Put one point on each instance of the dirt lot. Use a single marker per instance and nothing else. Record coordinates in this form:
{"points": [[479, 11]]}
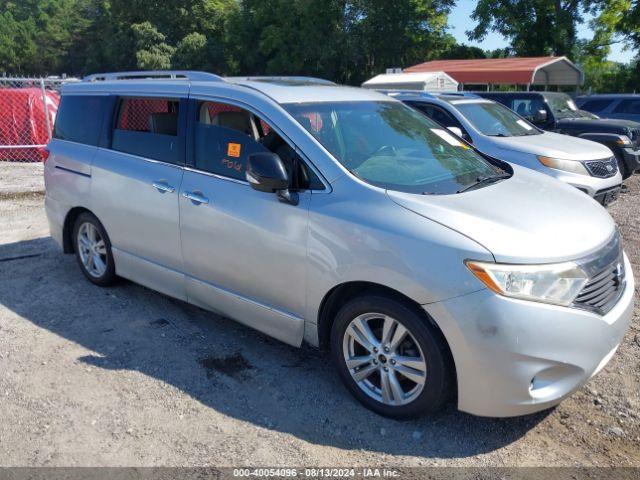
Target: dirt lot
{"points": [[128, 377]]}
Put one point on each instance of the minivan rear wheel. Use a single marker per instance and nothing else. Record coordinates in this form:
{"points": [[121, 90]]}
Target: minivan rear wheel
{"points": [[390, 357], [93, 250]]}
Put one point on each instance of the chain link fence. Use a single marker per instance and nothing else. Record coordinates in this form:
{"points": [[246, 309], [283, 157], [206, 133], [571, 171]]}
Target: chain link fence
{"points": [[28, 108]]}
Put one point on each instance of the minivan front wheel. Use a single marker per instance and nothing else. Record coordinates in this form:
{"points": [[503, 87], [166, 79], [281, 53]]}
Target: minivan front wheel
{"points": [[93, 250], [390, 358]]}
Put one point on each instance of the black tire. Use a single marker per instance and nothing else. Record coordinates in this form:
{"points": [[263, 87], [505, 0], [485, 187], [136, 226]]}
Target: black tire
{"points": [[624, 170], [440, 377], [108, 277]]}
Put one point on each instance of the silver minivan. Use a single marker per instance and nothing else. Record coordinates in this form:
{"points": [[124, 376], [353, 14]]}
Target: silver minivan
{"points": [[342, 218]]}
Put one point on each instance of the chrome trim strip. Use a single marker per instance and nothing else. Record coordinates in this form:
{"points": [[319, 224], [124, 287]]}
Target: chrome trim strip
{"points": [[64, 169], [215, 175], [138, 157]]}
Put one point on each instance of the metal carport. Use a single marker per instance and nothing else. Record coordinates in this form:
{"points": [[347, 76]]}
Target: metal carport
{"points": [[545, 71]]}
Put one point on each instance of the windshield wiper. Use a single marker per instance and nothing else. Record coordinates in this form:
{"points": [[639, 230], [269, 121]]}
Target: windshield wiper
{"points": [[497, 135], [484, 181]]}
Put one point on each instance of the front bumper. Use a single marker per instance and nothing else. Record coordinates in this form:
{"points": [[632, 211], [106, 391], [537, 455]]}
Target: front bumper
{"points": [[516, 357], [608, 195], [592, 186]]}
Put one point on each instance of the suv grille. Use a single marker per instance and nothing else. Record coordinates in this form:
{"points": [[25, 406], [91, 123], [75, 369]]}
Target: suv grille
{"points": [[605, 285], [634, 136], [602, 168]]}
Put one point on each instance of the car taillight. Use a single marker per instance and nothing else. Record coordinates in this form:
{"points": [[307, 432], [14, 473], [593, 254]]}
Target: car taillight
{"points": [[44, 154]]}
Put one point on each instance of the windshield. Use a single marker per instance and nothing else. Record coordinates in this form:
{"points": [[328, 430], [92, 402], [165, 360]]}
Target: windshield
{"points": [[392, 146], [563, 106], [495, 120]]}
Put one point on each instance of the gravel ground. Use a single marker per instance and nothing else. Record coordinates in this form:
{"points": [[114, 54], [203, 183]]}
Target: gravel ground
{"points": [[128, 377], [18, 178]]}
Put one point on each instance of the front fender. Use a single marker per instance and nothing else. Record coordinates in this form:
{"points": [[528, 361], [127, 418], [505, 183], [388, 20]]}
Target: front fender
{"points": [[369, 238]]}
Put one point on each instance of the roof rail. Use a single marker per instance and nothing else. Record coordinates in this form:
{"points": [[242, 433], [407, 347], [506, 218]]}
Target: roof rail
{"points": [[403, 91], [155, 75], [425, 93], [301, 80]]}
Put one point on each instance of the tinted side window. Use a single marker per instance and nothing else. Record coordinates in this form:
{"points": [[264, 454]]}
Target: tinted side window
{"points": [[596, 105], [629, 106], [527, 107], [437, 114], [148, 127], [79, 118], [225, 136]]}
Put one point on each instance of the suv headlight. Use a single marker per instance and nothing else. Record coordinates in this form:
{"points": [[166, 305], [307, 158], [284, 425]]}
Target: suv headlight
{"points": [[623, 140], [558, 283], [573, 166]]}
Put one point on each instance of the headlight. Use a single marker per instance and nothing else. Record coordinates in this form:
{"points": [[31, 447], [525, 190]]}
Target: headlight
{"points": [[558, 283], [573, 166], [623, 140]]}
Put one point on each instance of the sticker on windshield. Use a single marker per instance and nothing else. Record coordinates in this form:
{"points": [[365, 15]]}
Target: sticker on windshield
{"points": [[524, 124], [233, 150], [447, 137]]}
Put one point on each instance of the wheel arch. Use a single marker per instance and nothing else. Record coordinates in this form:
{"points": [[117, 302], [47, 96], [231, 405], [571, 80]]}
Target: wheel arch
{"points": [[342, 293], [68, 245]]}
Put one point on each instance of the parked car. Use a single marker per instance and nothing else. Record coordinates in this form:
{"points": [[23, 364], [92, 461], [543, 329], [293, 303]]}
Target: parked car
{"points": [[557, 112], [342, 218], [625, 106], [498, 132]]}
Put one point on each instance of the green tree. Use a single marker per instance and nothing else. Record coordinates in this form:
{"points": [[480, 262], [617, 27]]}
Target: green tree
{"points": [[152, 53], [17, 45], [301, 37], [344, 40], [401, 34], [534, 27], [192, 52], [44, 33], [619, 21], [462, 51]]}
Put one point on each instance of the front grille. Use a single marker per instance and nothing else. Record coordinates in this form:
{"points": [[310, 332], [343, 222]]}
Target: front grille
{"points": [[602, 168], [605, 285]]}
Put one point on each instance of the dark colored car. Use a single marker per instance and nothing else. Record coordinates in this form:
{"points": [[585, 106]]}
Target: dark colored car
{"points": [[557, 112], [612, 105]]}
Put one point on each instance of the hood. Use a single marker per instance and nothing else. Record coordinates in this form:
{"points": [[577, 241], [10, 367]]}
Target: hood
{"points": [[593, 125], [555, 145], [528, 218]]}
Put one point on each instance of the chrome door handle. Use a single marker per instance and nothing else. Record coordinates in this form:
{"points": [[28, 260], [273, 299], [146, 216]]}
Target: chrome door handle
{"points": [[163, 187], [196, 198]]}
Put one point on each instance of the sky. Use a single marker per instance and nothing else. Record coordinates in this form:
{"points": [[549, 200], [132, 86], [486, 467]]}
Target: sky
{"points": [[460, 21]]}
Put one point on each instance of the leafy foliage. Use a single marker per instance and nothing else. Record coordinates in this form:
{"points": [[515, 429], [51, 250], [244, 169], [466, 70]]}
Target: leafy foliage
{"points": [[343, 40]]}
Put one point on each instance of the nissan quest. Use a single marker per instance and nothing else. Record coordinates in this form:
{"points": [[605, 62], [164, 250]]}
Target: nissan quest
{"points": [[342, 218]]}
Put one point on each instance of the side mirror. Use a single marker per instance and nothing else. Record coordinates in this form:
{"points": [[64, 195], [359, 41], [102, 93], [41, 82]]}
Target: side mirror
{"points": [[540, 116], [456, 131], [266, 173]]}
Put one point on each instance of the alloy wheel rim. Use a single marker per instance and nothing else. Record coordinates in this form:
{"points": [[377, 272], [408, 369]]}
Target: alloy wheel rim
{"points": [[92, 249], [384, 359]]}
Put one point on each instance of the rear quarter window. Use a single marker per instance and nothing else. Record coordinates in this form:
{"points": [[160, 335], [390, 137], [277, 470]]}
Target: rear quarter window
{"points": [[149, 128], [629, 106], [595, 105], [79, 118]]}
